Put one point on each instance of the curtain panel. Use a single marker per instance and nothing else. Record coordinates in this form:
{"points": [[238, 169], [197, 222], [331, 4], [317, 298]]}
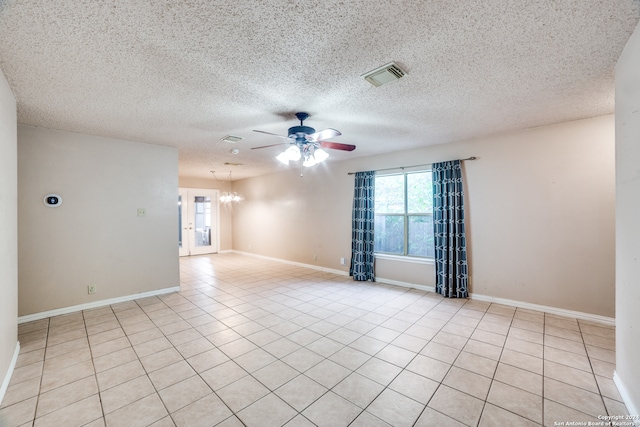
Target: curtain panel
{"points": [[449, 233], [362, 261]]}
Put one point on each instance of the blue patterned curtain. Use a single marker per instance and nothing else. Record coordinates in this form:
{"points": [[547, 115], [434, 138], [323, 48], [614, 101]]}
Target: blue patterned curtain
{"points": [[362, 227], [448, 222]]}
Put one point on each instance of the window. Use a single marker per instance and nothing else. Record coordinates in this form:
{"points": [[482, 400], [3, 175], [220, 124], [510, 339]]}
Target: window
{"points": [[404, 214]]}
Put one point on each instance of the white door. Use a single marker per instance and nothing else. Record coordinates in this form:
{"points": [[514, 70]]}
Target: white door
{"points": [[198, 213]]}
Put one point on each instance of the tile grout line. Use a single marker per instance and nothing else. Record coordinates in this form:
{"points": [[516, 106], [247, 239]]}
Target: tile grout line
{"points": [[287, 297], [44, 359], [95, 373], [544, 349], [606, 409]]}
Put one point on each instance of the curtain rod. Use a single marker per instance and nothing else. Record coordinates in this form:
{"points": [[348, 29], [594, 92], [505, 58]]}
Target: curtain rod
{"points": [[413, 166]]}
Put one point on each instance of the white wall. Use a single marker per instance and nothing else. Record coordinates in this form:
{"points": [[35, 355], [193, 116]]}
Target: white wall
{"points": [[95, 237], [300, 219], [8, 231], [628, 223], [540, 215]]}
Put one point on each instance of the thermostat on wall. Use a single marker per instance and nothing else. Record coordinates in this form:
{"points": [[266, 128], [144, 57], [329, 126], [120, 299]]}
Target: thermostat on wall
{"points": [[52, 200]]}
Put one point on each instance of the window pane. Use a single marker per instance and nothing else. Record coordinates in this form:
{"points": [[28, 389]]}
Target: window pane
{"points": [[202, 220], [179, 221], [419, 193], [389, 234], [389, 194], [420, 236]]}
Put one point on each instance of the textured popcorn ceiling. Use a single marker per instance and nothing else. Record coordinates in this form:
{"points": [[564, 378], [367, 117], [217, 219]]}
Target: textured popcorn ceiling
{"points": [[187, 73]]}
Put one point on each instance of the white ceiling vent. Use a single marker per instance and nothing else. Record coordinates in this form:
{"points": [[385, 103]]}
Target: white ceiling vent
{"points": [[232, 139], [385, 74]]}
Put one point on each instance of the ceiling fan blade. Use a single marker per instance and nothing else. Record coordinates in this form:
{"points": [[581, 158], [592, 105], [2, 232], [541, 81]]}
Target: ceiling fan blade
{"points": [[337, 146], [273, 134], [324, 134], [267, 146]]}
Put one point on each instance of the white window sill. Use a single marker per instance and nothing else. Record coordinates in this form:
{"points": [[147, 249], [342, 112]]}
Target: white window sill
{"points": [[401, 258]]}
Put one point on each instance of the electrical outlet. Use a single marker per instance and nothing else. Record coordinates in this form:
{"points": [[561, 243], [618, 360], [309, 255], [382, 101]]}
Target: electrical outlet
{"points": [[142, 212], [91, 289], [343, 261]]}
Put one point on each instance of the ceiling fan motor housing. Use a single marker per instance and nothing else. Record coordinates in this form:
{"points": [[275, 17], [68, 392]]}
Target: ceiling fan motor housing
{"points": [[300, 131]]}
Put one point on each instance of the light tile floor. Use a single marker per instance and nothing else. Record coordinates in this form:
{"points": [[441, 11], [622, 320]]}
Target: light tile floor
{"points": [[259, 343]]}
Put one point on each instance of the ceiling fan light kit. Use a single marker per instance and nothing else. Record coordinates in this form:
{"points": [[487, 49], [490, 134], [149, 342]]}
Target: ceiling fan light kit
{"points": [[290, 154], [320, 155], [283, 158], [307, 144]]}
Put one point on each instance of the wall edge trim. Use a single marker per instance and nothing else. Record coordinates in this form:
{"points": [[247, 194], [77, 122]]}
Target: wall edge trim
{"points": [[546, 308], [7, 377], [626, 397], [298, 264], [513, 303], [406, 284], [96, 304]]}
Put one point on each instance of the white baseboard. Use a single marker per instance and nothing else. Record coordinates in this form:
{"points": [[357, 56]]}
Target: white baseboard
{"points": [[338, 272], [96, 304], [298, 264], [7, 377], [479, 297], [626, 397], [405, 284], [546, 309], [512, 303]]}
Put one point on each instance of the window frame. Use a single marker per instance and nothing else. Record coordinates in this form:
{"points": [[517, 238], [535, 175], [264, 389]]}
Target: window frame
{"points": [[405, 256]]}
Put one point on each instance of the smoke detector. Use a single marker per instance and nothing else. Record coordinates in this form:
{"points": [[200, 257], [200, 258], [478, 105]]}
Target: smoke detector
{"points": [[231, 138], [385, 74]]}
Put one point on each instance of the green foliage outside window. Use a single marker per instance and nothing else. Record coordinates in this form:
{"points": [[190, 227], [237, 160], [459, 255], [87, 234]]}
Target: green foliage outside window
{"points": [[404, 214]]}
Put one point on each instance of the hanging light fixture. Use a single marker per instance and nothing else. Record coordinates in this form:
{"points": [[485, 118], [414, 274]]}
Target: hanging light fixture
{"points": [[227, 196]]}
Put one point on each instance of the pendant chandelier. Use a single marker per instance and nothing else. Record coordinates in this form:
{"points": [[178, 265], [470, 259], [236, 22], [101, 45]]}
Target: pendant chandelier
{"points": [[227, 196]]}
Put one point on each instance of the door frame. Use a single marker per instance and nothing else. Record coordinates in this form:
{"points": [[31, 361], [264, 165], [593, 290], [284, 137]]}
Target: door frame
{"points": [[187, 193]]}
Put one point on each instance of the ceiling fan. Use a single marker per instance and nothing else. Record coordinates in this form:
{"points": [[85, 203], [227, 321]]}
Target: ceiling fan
{"points": [[306, 143]]}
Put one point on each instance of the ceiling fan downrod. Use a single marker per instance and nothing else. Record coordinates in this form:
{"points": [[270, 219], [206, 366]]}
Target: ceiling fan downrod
{"points": [[300, 132]]}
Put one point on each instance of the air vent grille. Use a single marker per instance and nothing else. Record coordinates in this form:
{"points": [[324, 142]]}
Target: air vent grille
{"points": [[385, 74], [231, 138], [396, 71]]}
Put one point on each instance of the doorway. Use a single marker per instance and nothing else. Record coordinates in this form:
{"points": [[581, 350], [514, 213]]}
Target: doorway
{"points": [[198, 221]]}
